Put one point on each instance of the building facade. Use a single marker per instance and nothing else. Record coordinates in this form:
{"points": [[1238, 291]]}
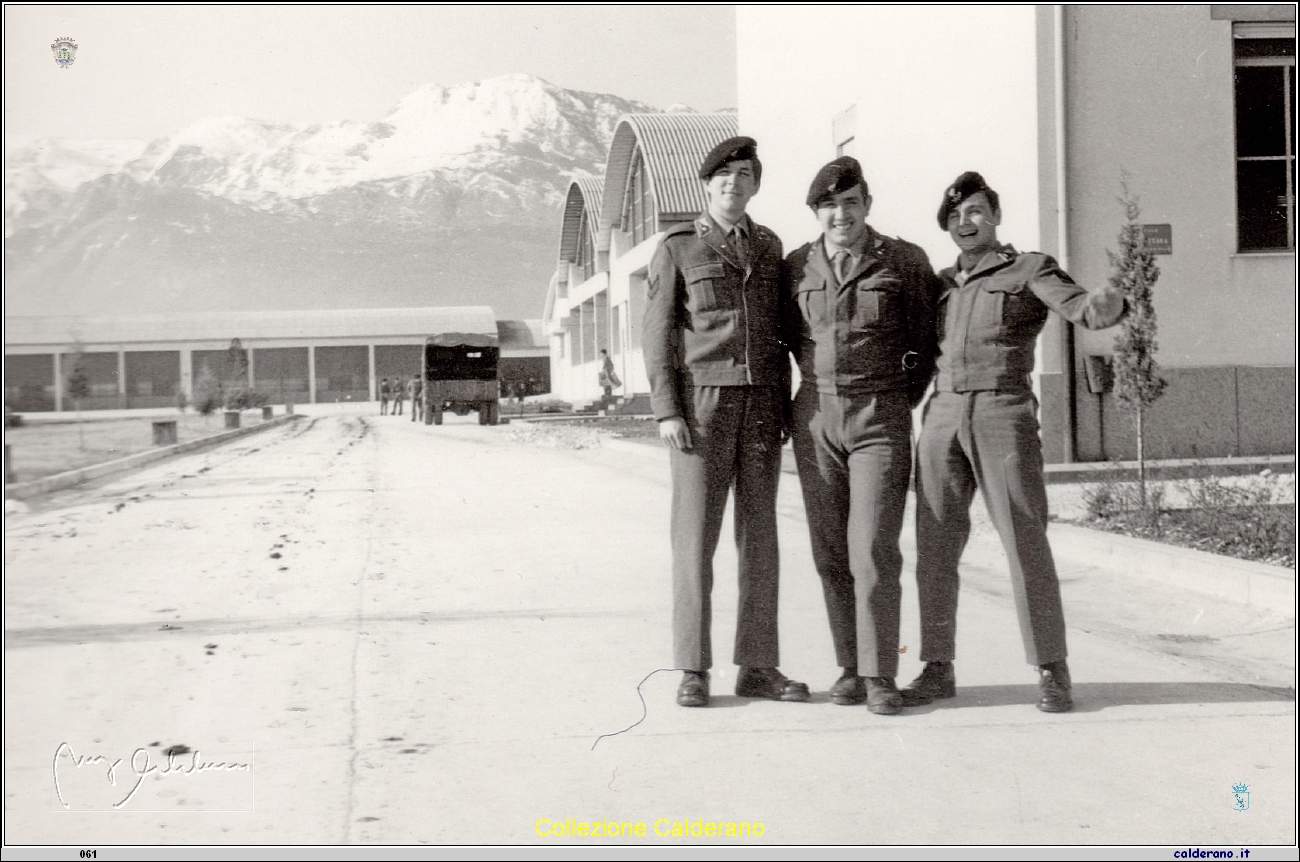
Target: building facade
{"points": [[297, 357], [610, 229], [1061, 108]]}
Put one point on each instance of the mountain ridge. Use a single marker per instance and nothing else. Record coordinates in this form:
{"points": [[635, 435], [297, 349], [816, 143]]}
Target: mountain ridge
{"points": [[452, 198]]}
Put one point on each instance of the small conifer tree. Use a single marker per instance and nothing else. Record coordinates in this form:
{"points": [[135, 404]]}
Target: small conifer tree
{"points": [[1138, 383], [234, 377], [78, 386]]}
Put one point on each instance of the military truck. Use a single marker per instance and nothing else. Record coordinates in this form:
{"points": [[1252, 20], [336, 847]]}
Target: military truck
{"points": [[460, 375]]}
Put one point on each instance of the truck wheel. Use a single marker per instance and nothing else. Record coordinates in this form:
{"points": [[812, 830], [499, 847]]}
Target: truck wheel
{"points": [[483, 413], [494, 413], [437, 414]]}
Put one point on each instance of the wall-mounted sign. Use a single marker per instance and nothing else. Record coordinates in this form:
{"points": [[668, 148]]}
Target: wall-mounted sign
{"points": [[1159, 237]]}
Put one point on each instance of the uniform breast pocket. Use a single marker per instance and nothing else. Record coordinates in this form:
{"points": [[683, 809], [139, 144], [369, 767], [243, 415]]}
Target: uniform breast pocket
{"points": [[703, 284], [1003, 307], [812, 304], [878, 305]]}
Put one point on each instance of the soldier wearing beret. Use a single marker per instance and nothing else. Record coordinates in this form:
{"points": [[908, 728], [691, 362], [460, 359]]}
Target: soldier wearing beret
{"points": [[981, 431], [720, 388], [865, 344]]}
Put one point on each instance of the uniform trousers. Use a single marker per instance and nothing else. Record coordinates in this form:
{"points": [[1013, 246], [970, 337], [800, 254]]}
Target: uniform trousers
{"points": [[735, 442], [854, 455], [988, 440]]}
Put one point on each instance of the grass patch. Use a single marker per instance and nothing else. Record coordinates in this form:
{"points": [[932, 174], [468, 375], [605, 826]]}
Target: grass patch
{"points": [[45, 448], [1250, 518]]}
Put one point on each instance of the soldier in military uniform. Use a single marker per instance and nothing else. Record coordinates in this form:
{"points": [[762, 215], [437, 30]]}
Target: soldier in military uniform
{"points": [[865, 347], [383, 397], [720, 387], [416, 390], [981, 431]]}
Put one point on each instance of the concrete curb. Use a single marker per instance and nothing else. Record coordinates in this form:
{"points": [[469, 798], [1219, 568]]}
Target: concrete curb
{"points": [[1173, 468], [1242, 582], [22, 490], [1271, 588]]}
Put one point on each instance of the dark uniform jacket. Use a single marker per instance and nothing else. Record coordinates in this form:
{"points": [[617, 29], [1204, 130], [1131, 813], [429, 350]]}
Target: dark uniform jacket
{"points": [[875, 332], [988, 326], [712, 319]]}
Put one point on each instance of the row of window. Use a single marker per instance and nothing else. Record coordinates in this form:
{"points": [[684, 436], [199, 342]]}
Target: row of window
{"points": [[590, 329], [639, 217]]}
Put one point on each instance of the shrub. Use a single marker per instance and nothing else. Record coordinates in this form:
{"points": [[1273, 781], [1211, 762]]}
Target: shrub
{"points": [[207, 391]]}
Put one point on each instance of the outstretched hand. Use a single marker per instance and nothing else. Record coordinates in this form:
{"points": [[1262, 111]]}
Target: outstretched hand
{"points": [[1109, 301]]}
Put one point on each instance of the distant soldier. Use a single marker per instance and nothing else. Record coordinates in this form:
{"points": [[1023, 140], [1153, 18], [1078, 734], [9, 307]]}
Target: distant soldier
{"points": [[399, 393], [384, 392], [607, 378], [416, 390]]}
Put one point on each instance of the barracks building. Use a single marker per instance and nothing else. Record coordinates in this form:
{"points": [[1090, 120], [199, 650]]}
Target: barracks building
{"points": [[610, 229], [1060, 108], [296, 357]]}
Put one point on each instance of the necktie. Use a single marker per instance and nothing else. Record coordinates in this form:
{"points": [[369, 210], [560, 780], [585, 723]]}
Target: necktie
{"points": [[738, 247], [841, 265]]}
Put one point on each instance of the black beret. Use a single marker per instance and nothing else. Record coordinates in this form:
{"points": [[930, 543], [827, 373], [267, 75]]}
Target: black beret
{"points": [[969, 183], [836, 177], [730, 150]]}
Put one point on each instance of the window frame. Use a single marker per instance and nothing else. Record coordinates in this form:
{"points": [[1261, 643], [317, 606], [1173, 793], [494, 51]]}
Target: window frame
{"points": [[1257, 31], [639, 218]]}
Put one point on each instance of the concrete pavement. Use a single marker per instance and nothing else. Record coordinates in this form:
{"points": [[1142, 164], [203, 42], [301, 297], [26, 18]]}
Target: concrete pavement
{"points": [[415, 634]]}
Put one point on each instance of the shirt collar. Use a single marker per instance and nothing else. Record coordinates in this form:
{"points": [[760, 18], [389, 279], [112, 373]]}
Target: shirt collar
{"points": [[1003, 252], [743, 227], [869, 240]]}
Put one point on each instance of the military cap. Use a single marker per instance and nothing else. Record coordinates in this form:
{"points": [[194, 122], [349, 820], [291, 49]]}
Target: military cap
{"points": [[730, 150], [969, 183], [836, 177]]}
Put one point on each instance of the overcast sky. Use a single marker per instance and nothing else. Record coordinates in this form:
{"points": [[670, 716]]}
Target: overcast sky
{"points": [[143, 72]]}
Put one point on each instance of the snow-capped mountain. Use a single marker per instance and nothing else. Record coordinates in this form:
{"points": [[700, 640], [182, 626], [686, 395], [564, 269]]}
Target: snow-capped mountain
{"points": [[36, 167], [452, 198]]}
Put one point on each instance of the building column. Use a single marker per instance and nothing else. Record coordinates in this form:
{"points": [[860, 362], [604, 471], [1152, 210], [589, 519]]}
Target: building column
{"points": [[370, 358], [187, 374], [121, 377], [311, 372], [58, 381]]}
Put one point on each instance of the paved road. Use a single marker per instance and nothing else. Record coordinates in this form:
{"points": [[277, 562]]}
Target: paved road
{"points": [[414, 634]]}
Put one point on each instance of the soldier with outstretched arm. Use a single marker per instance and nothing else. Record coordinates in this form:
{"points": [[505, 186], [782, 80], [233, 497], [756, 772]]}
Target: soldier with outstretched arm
{"points": [[980, 430]]}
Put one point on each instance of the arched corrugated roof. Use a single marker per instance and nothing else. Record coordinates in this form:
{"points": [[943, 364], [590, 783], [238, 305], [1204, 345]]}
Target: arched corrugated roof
{"points": [[584, 193], [673, 145]]}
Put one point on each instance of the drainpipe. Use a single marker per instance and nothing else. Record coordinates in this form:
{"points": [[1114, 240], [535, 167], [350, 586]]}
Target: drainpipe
{"points": [[1069, 443]]}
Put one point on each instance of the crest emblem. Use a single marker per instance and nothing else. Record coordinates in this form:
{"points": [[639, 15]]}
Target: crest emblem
{"points": [[1240, 797], [65, 51]]}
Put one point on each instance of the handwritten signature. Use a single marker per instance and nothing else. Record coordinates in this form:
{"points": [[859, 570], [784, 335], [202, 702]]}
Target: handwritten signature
{"points": [[141, 767]]}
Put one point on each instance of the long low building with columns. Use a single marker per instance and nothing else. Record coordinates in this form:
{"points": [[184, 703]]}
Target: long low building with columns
{"points": [[297, 357]]}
